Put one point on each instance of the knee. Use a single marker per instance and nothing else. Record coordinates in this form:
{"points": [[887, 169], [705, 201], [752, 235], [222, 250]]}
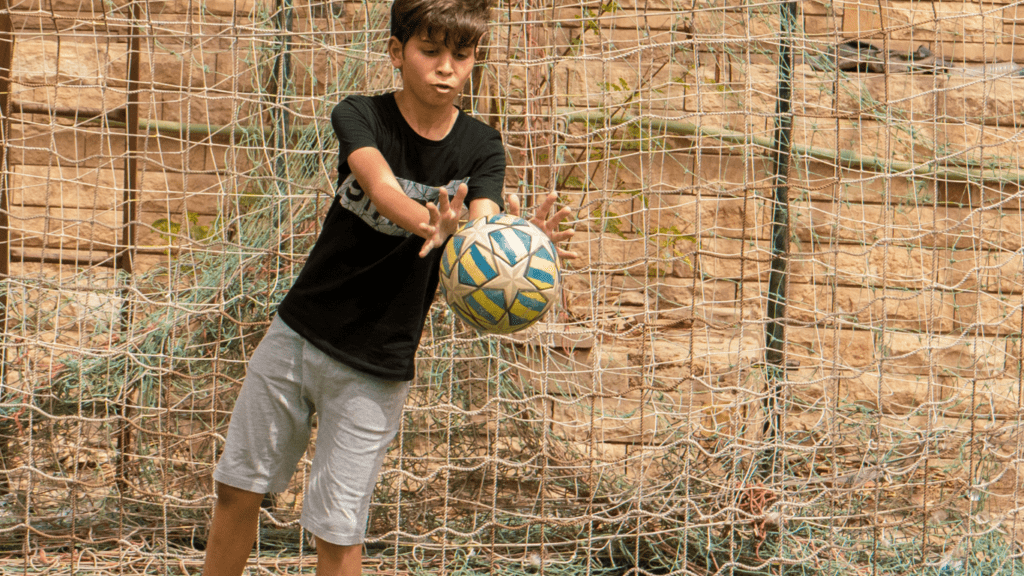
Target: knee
{"points": [[236, 499], [337, 559]]}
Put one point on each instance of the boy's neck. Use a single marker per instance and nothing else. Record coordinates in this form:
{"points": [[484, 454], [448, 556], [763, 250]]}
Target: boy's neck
{"points": [[430, 123]]}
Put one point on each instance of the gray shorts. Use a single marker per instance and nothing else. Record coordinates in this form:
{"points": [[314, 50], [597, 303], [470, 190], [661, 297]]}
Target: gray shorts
{"points": [[289, 379]]}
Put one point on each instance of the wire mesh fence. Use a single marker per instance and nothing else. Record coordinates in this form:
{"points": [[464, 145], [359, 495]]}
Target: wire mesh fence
{"points": [[791, 345]]}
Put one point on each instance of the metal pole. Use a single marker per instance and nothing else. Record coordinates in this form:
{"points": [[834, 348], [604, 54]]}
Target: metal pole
{"points": [[775, 331], [283, 73], [124, 255]]}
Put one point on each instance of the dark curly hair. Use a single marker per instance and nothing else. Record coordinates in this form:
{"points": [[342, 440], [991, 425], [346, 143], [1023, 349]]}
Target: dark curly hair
{"points": [[455, 23]]}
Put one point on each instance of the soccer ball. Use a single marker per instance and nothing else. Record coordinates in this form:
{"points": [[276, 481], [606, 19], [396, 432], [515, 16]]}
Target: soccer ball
{"points": [[500, 274]]}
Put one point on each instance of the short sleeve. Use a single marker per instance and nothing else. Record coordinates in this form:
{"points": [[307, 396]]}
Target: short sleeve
{"points": [[352, 120], [487, 179]]}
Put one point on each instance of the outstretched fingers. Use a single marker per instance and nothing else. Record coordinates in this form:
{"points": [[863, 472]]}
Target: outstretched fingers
{"points": [[566, 254], [556, 219], [450, 209], [514, 207], [460, 199], [430, 229], [550, 225], [545, 207], [442, 202], [444, 218], [562, 237]]}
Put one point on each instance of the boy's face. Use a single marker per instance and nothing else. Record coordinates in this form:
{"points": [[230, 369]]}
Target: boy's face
{"points": [[431, 71]]}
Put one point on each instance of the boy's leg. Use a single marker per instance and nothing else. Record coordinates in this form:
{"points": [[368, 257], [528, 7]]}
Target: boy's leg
{"points": [[233, 531], [269, 432], [335, 560], [360, 415]]}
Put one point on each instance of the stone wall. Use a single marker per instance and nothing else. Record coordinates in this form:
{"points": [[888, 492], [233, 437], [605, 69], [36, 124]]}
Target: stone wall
{"points": [[904, 299]]}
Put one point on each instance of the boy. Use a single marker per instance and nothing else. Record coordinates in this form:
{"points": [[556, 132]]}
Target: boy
{"points": [[344, 341]]}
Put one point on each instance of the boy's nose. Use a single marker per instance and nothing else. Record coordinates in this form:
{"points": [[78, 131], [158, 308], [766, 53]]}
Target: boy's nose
{"points": [[444, 67]]}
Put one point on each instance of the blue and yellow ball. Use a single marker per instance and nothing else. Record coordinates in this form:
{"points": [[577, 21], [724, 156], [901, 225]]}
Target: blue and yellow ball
{"points": [[500, 274]]}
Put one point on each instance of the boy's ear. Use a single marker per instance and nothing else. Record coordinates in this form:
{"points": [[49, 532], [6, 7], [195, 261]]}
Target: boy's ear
{"points": [[395, 52]]}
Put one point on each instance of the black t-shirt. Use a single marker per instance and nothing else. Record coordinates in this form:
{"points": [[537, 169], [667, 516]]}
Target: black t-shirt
{"points": [[364, 293]]}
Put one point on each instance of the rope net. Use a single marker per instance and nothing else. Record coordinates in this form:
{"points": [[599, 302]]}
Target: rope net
{"points": [[791, 345]]}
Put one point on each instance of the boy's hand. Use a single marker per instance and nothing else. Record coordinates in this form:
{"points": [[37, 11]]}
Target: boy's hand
{"points": [[444, 219], [548, 225]]}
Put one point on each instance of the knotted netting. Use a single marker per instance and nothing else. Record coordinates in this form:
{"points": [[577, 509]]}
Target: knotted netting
{"points": [[791, 343]]}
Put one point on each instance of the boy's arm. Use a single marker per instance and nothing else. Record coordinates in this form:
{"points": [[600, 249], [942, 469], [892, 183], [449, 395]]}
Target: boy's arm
{"points": [[433, 223], [379, 183], [483, 207]]}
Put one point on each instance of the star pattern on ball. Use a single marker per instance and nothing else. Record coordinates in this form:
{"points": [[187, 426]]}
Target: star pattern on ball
{"points": [[458, 289], [512, 279], [477, 233]]}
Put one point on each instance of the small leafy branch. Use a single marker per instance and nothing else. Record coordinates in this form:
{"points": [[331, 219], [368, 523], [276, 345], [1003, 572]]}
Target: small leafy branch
{"points": [[193, 229], [589, 17]]}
